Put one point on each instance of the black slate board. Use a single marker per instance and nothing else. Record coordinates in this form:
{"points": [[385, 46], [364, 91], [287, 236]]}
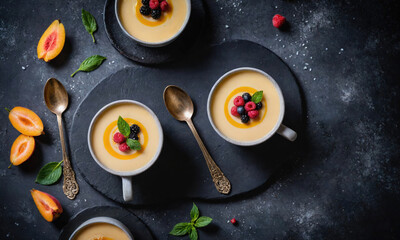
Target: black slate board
{"points": [[138, 229], [181, 171], [191, 36]]}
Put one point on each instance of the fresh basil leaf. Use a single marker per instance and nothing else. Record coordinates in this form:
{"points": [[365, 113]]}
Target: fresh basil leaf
{"points": [[194, 213], [181, 229], [257, 97], [49, 173], [193, 234], [134, 144], [123, 127], [202, 221], [89, 22], [90, 64]]}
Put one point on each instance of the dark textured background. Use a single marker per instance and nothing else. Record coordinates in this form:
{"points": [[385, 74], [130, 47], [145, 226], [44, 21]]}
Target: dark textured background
{"points": [[345, 55]]}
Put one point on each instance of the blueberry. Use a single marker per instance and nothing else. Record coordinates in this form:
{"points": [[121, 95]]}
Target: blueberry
{"points": [[133, 136], [135, 129], [241, 110], [246, 97], [244, 118], [259, 106]]}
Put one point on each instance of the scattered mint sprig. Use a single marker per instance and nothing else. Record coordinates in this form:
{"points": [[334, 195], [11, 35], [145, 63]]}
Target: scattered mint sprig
{"points": [[90, 64], [49, 173], [190, 228], [89, 22]]}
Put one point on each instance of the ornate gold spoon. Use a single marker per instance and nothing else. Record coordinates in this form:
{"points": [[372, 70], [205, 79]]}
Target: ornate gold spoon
{"points": [[56, 98], [180, 106]]}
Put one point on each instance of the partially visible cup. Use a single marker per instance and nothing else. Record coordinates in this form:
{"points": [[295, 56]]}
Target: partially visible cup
{"points": [[234, 83]]}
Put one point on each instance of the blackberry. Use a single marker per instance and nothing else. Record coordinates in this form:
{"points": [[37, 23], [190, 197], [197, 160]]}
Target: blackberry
{"points": [[246, 97], [259, 106], [135, 129], [240, 110], [156, 13], [133, 136], [244, 118], [145, 2], [145, 10]]}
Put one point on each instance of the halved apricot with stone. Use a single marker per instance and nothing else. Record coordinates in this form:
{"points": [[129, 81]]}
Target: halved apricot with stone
{"points": [[22, 149], [26, 121], [52, 41], [48, 206]]}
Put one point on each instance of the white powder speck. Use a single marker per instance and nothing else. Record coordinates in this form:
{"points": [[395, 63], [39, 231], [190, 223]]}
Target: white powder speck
{"points": [[16, 224], [23, 68], [305, 67], [306, 64], [297, 53], [226, 26], [341, 49], [326, 49], [314, 79]]}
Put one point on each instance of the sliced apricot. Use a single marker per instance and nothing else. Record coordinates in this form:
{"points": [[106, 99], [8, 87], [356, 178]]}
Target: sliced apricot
{"points": [[52, 41], [48, 206], [26, 121], [22, 149]]}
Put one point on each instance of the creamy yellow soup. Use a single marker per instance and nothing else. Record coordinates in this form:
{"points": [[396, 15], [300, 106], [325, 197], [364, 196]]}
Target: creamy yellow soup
{"points": [[147, 29], [101, 231], [235, 85], [104, 128]]}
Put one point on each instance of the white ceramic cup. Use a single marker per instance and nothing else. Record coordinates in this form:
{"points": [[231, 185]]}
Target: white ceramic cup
{"points": [[127, 175], [278, 128], [156, 44], [108, 220]]}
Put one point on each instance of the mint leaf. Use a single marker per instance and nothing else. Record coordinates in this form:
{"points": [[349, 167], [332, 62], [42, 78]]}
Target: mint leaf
{"points": [[202, 221], [89, 22], [257, 97], [134, 144], [49, 173], [123, 127], [193, 234], [181, 229], [90, 64], [194, 213]]}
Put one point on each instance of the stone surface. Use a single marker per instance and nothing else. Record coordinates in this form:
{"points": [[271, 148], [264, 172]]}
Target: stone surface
{"points": [[345, 54]]}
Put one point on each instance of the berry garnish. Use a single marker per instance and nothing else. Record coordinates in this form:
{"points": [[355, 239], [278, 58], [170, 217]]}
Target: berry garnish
{"points": [[259, 106], [246, 97], [238, 101], [123, 147], [244, 118], [164, 6], [240, 110], [146, 2], [133, 136], [233, 221], [250, 106], [278, 20], [253, 114], [154, 5], [145, 10], [118, 137], [234, 111], [135, 129], [155, 13]]}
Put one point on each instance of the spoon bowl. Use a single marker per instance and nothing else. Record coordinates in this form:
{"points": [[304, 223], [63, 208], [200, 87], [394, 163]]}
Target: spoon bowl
{"points": [[55, 96], [178, 103]]}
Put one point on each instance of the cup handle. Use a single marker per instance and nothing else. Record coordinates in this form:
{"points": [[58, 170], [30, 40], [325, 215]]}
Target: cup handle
{"points": [[127, 188], [287, 133]]}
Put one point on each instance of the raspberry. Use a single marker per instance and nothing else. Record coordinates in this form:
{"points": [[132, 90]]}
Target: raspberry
{"points": [[154, 4], [234, 111], [119, 138], [250, 106], [278, 20], [123, 147], [253, 114], [233, 221], [238, 101], [164, 6]]}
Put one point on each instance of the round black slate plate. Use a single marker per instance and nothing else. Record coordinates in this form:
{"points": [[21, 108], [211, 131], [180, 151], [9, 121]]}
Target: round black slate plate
{"points": [[146, 55], [181, 170], [138, 229]]}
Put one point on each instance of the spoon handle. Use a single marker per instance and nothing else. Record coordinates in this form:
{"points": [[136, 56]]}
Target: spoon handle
{"points": [[70, 186], [221, 182]]}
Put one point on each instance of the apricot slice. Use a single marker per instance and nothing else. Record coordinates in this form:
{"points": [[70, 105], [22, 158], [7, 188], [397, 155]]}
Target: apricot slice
{"points": [[48, 206], [22, 149], [52, 41], [26, 121]]}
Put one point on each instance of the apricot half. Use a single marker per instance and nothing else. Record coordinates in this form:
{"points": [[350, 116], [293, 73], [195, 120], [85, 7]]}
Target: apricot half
{"points": [[26, 121], [48, 206], [22, 149], [52, 41]]}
